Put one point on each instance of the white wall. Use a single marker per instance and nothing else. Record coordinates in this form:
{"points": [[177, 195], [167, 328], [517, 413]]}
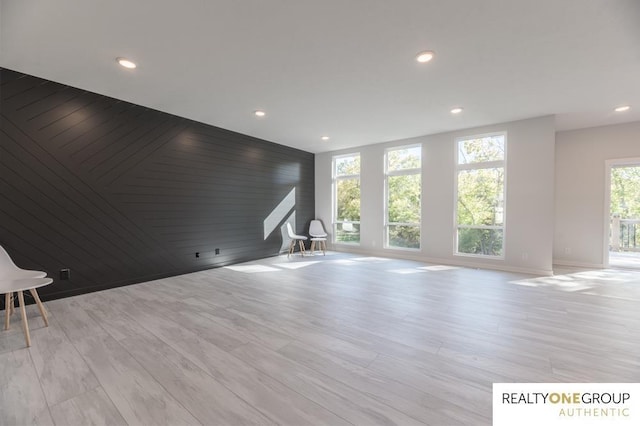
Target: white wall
{"points": [[529, 200], [580, 189]]}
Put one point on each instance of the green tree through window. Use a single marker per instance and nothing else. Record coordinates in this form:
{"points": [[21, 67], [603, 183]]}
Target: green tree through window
{"points": [[403, 191], [625, 191], [625, 206], [346, 184], [480, 195]]}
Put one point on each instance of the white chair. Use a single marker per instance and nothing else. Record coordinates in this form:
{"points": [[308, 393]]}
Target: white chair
{"points": [[16, 280], [318, 234], [294, 237], [8, 267]]}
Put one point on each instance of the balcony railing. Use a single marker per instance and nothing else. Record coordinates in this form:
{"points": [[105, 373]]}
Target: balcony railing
{"points": [[625, 235]]}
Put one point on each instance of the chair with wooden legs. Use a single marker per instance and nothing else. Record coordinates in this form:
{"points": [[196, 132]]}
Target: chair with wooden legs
{"points": [[300, 239], [16, 280], [9, 287], [318, 235]]}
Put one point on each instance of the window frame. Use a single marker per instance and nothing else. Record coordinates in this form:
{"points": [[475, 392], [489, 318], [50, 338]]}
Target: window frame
{"points": [[334, 197], [403, 172], [478, 166]]}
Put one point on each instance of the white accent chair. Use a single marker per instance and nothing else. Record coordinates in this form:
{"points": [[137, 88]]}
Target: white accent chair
{"points": [[16, 280], [318, 235], [8, 267], [294, 237]]}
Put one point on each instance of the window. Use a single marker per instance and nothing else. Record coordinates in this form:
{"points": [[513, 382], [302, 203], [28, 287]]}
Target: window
{"points": [[346, 199], [480, 195], [403, 188]]}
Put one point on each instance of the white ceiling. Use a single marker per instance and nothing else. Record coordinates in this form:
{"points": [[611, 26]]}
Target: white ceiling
{"points": [[343, 68]]}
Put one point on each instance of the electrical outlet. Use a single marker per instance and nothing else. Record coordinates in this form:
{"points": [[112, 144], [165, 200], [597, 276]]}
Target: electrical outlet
{"points": [[65, 274], [217, 251], [567, 250], [197, 254]]}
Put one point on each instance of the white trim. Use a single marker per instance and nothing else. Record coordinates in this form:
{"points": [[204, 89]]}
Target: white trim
{"points": [[346, 177], [481, 256], [571, 263], [481, 165], [419, 250], [480, 227], [631, 161], [607, 212], [404, 172], [337, 244]]}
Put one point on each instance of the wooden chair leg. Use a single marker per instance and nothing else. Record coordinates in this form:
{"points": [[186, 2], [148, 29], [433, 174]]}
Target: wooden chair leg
{"points": [[323, 244], [34, 293], [291, 247], [301, 244], [7, 310], [25, 324], [313, 246]]}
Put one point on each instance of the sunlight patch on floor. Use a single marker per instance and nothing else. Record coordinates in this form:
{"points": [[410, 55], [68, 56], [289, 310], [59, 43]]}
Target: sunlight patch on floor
{"points": [[419, 269], [296, 265], [344, 262], [371, 259], [405, 271], [604, 282], [560, 282], [439, 268], [609, 275], [252, 269]]}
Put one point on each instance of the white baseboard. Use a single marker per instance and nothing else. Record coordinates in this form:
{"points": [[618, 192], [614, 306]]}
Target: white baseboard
{"points": [[574, 264]]}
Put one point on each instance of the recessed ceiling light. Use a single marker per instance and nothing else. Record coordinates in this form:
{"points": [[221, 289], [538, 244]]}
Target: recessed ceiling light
{"points": [[325, 138], [259, 113], [126, 63], [622, 108], [426, 56], [456, 110]]}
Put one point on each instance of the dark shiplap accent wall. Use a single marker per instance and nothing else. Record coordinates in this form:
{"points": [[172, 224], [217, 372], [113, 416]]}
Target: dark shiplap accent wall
{"points": [[121, 193]]}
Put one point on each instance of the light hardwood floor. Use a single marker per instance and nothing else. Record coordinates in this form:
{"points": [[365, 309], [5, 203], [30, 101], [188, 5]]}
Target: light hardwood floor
{"points": [[332, 340]]}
